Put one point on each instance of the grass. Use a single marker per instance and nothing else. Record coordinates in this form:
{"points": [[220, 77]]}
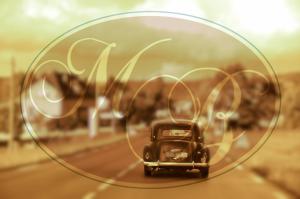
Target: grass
{"points": [[279, 160]]}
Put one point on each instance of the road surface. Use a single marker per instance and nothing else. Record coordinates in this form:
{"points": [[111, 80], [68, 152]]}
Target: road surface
{"points": [[116, 163]]}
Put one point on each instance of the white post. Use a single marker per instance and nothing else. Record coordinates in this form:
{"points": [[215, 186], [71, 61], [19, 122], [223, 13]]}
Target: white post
{"points": [[11, 122], [93, 122]]}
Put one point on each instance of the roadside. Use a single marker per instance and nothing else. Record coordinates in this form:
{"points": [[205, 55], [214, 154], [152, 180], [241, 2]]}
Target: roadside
{"points": [[31, 153], [278, 160], [114, 163]]}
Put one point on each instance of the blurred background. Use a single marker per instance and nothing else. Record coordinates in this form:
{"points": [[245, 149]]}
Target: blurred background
{"points": [[26, 171]]}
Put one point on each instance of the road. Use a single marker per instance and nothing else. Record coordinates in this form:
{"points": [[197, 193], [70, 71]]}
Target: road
{"points": [[117, 164]]}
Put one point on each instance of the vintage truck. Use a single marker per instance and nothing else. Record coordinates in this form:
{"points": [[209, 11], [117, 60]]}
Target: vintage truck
{"points": [[176, 146]]}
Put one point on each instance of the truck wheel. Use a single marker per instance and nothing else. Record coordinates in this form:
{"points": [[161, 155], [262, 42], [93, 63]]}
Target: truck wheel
{"points": [[147, 171], [204, 171]]}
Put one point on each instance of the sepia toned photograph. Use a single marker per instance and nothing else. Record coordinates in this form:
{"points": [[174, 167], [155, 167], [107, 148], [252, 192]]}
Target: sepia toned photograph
{"points": [[149, 99]]}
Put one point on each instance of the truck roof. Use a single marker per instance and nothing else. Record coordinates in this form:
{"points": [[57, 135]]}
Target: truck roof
{"points": [[170, 122]]}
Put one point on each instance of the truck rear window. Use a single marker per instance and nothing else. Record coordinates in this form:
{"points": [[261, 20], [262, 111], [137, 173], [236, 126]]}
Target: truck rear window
{"points": [[180, 133]]}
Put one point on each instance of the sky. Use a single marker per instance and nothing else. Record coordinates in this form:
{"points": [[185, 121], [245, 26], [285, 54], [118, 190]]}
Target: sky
{"points": [[190, 45], [273, 26]]}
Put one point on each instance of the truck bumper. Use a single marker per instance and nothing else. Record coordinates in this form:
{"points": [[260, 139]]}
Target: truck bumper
{"points": [[175, 164]]}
